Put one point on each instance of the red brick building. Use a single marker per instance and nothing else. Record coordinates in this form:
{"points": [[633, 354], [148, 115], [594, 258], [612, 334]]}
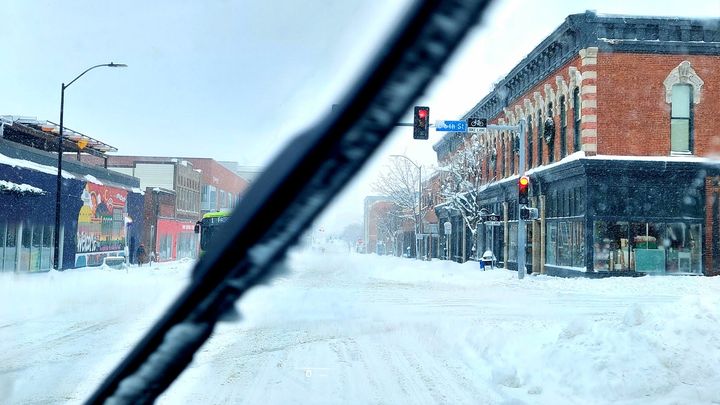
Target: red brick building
{"points": [[634, 97], [381, 225], [178, 191]]}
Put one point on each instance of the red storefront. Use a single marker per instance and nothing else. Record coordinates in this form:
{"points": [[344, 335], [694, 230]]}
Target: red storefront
{"points": [[176, 239]]}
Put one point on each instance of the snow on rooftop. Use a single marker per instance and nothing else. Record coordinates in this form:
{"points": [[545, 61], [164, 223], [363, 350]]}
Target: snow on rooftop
{"points": [[569, 158], [93, 179], [20, 188], [137, 191], [14, 162]]}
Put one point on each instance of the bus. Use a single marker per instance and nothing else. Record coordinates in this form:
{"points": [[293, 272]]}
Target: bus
{"points": [[208, 226]]}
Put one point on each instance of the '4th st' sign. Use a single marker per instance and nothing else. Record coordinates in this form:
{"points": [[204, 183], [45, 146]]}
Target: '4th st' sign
{"points": [[452, 126]]}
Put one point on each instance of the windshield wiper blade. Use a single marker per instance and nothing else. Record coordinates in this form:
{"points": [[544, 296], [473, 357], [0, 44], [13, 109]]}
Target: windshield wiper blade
{"points": [[290, 194]]}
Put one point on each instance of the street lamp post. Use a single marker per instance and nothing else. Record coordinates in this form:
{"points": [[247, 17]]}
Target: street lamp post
{"points": [[58, 201], [419, 211]]}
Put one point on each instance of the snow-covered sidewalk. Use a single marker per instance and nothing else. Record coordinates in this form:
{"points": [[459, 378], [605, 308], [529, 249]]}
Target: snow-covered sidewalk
{"points": [[348, 328]]}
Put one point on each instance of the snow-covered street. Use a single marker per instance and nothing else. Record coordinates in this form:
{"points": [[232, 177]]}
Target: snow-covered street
{"points": [[348, 328]]}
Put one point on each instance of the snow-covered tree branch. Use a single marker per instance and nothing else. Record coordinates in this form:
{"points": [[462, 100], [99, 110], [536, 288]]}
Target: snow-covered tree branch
{"points": [[461, 181]]}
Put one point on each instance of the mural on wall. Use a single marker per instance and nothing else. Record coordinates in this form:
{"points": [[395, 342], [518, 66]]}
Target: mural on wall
{"points": [[101, 224]]}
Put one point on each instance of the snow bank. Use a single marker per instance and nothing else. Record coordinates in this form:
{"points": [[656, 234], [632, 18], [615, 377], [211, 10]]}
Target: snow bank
{"points": [[351, 328]]}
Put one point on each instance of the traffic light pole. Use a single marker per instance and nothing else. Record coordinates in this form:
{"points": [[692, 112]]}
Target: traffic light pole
{"points": [[522, 230]]}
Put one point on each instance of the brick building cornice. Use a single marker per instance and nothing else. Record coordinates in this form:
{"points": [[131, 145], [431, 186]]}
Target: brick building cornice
{"points": [[606, 33]]}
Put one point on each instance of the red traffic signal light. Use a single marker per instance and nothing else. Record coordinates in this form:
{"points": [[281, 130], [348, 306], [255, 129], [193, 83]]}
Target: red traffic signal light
{"points": [[421, 122], [523, 186]]}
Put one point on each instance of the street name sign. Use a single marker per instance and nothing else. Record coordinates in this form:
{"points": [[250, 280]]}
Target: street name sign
{"points": [[455, 126]]}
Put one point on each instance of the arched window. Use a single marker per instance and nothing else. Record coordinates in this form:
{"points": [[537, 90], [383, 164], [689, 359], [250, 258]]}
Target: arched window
{"points": [[539, 137], [529, 142], [563, 128], [681, 119], [503, 148], [683, 89], [576, 118], [549, 133], [513, 149]]}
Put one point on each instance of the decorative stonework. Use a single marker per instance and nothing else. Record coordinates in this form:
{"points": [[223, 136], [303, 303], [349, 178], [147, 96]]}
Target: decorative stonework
{"points": [[683, 74], [589, 55], [562, 90], [528, 107], [509, 116], [518, 114], [539, 104], [549, 96], [575, 77]]}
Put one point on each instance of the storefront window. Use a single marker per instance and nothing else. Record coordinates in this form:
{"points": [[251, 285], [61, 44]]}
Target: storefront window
{"points": [[186, 245], [10, 247], [564, 243], [46, 258], [25, 240], [551, 243], [610, 246], [578, 243], [36, 249], [682, 248], [166, 252], [512, 250], [648, 247]]}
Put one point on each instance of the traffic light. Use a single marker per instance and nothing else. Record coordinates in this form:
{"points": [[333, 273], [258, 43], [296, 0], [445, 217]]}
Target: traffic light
{"points": [[421, 122], [527, 213], [523, 186]]}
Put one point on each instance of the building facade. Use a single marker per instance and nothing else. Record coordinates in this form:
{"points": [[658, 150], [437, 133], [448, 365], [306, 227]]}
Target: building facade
{"points": [[171, 205], [195, 185], [100, 210], [618, 112]]}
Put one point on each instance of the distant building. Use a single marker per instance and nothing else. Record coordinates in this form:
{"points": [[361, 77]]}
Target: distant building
{"points": [[248, 173], [379, 234], [197, 185]]}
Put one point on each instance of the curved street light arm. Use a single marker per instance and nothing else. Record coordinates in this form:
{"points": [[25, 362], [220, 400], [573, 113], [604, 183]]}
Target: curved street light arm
{"points": [[408, 159], [111, 64]]}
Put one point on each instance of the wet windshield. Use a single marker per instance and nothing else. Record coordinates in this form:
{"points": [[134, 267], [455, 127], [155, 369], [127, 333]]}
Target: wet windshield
{"points": [[541, 226]]}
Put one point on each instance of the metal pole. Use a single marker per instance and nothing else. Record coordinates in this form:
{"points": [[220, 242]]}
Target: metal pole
{"points": [[58, 189], [58, 202], [522, 231], [418, 230]]}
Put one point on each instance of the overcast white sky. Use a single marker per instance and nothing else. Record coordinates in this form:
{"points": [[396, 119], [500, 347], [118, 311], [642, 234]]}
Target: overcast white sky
{"points": [[233, 80]]}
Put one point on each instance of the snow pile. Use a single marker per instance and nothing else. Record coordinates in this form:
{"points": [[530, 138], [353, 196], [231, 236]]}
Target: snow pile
{"points": [[65, 330], [19, 188]]}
